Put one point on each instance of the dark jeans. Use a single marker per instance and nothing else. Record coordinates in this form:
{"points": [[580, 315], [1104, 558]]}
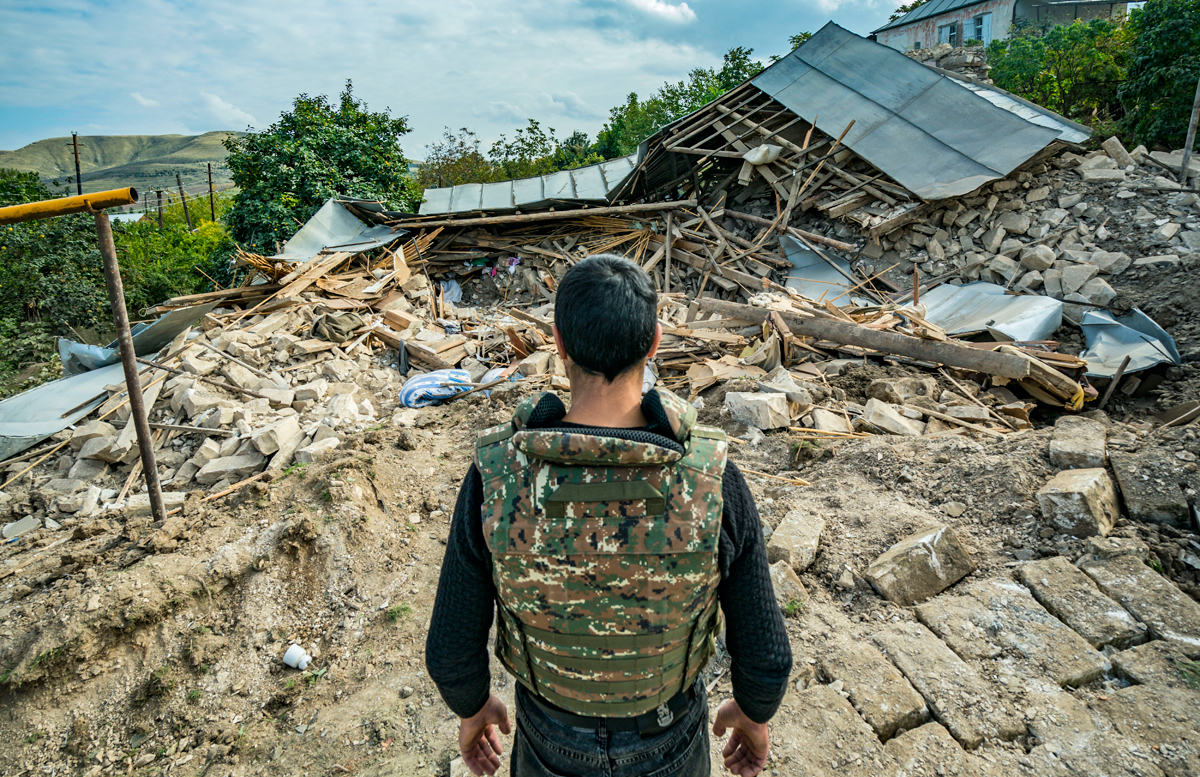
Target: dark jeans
{"points": [[544, 747]]}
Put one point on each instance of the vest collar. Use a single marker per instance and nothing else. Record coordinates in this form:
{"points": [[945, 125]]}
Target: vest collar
{"points": [[545, 408]]}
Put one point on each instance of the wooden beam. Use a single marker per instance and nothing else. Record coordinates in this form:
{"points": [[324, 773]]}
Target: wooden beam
{"points": [[948, 353], [551, 215]]}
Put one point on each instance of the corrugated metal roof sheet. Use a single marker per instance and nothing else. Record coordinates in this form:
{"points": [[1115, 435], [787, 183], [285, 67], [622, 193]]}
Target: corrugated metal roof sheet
{"points": [[1067, 130], [931, 135], [932, 8], [581, 185]]}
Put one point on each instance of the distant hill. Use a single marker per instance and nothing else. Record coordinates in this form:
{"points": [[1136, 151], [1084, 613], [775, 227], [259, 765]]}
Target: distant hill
{"points": [[145, 162]]}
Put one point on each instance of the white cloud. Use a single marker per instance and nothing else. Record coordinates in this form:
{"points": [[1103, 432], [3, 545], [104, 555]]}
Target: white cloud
{"points": [[145, 102], [230, 116], [672, 13]]}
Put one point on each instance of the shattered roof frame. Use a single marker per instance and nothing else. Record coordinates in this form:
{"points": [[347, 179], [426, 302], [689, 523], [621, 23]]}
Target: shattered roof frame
{"points": [[929, 133], [589, 184]]}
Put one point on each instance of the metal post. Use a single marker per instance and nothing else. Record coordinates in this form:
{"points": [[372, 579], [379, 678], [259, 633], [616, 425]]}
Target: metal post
{"points": [[212, 207], [78, 175], [183, 198], [160, 210], [137, 408], [1191, 137]]}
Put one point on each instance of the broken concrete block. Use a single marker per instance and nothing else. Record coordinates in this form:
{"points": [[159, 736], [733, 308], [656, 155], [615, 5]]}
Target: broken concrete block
{"points": [[1013, 223], [1116, 151], [1004, 267], [231, 468], [87, 469], [828, 421], [1076, 275], [1080, 502], [1029, 281], [61, 487], [1098, 291], [197, 365], [339, 370], [992, 239], [270, 438], [536, 363], [196, 401], [780, 381], [888, 418], [91, 431], [1098, 162], [972, 413], [796, 540], [1167, 612], [920, 566], [240, 376], [287, 450], [23, 526], [139, 504], [342, 409], [1078, 443], [279, 397], [1102, 175], [1111, 262], [209, 449], [761, 410], [1150, 488], [1152, 261], [272, 323], [1071, 596], [900, 390], [789, 591], [309, 453], [1039, 257]]}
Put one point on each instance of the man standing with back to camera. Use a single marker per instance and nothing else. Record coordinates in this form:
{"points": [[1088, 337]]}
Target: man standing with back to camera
{"points": [[610, 538]]}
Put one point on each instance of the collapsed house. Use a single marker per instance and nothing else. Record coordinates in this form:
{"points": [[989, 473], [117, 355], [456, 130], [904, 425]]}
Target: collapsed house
{"points": [[846, 203]]}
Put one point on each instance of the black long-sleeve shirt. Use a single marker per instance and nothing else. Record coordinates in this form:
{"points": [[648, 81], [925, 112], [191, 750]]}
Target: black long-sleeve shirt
{"points": [[456, 646]]}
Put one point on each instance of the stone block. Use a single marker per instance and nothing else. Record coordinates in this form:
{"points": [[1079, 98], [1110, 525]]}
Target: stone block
{"points": [[888, 418], [972, 413], [1151, 663], [1074, 276], [1164, 260], [240, 376], [139, 504], [828, 421], [339, 370], [1149, 481], [1098, 162], [1013, 223], [780, 381], [920, 566], [196, 401], [270, 438], [310, 453], [900, 390], [761, 410], [1068, 201], [1078, 443], [61, 487], [197, 365], [1030, 281], [1111, 262], [992, 239], [1038, 257], [796, 540], [279, 398], [886, 700], [960, 699], [1080, 502], [231, 468], [1004, 267], [1167, 612], [834, 739], [536, 363], [1160, 723], [1098, 291], [287, 450], [789, 591], [1008, 617], [209, 449], [90, 431], [87, 469], [1116, 151], [19, 527], [1052, 280], [1102, 175]]}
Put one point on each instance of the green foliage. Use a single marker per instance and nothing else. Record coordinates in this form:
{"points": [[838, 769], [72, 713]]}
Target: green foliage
{"points": [[398, 612], [905, 9], [533, 151], [794, 42], [317, 150], [793, 607], [1073, 69], [1190, 671], [1163, 70], [636, 119]]}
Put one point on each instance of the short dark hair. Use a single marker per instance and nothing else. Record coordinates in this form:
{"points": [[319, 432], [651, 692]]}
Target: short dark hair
{"points": [[606, 311]]}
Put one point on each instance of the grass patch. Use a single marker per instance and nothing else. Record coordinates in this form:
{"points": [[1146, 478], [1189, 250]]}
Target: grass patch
{"points": [[296, 469], [195, 695], [1190, 671], [398, 612], [794, 607]]}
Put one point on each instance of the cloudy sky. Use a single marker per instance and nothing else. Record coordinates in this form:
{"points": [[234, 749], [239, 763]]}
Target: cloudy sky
{"points": [[111, 67]]}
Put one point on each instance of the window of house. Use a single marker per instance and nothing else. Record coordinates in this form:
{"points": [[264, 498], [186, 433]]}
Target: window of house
{"points": [[948, 33], [982, 26]]}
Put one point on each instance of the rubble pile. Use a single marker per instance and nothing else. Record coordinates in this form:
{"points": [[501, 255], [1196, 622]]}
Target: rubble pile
{"points": [[970, 61]]}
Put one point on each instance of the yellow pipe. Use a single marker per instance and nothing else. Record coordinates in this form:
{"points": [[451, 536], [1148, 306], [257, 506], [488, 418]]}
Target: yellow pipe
{"points": [[83, 203]]}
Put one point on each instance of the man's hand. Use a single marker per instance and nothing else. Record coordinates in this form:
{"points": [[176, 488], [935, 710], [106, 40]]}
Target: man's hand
{"points": [[478, 741], [746, 751]]}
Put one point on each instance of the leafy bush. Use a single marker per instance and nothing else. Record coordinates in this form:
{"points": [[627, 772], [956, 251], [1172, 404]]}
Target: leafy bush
{"points": [[1164, 68], [533, 151], [1073, 69], [315, 151]]}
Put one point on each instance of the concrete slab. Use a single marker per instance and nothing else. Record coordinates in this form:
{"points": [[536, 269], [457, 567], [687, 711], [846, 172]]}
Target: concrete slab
{"points": [[886, 700], [1149, 481], [1168, 613], [1154, 663], [1164, 721], [1071, 596], [828, 737], [959, 698]]}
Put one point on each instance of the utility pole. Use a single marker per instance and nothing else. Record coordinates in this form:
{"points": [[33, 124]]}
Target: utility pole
{"points": [[212, 207], [78, 180], [159, 191], [183, 199], [1191, 137]]}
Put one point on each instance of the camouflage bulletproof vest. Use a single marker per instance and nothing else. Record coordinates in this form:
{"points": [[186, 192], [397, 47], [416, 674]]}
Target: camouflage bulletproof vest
{"points": [[604, 553]]}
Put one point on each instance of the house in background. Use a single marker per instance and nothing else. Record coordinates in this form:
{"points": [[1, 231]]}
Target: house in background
{"points": [[957, 21]]}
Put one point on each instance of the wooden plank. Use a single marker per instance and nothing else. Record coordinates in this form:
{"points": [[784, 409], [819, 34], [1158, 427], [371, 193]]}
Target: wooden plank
{"points": [[948, 353]]}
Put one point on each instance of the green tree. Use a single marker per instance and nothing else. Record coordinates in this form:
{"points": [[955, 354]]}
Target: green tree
{"points": [[637, 119], [455, 159], [1073, 68], [317, 150], [906, 9], [1164, 67]]}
